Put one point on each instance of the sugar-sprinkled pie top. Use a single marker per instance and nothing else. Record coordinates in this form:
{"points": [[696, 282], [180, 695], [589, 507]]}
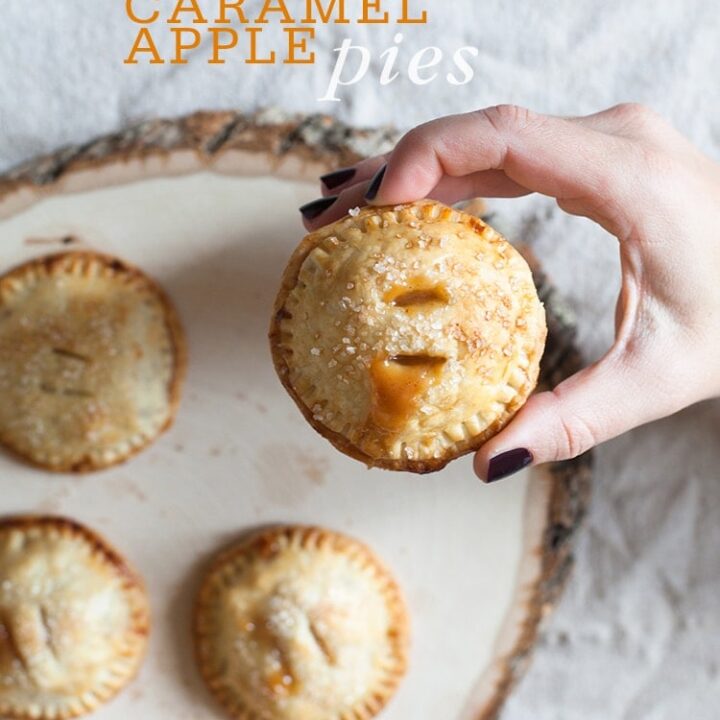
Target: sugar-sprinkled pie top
{"points": [[301, 624], [74, 619], [91, 361], [408, 335]]}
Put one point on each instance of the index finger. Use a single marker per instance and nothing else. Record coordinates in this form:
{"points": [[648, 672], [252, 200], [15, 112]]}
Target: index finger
{"points": [[550, 155]]}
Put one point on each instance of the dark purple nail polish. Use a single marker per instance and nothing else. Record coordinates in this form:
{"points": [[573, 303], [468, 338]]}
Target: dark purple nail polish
{"points": [[312, 209], [375, 183], [508, 463], [338, 177]]}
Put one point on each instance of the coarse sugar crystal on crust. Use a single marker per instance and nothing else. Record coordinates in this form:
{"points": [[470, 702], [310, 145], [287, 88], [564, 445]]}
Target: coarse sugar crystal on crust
{"points": [[301, 623], [74, 619], [92, 357], [408, 335]]}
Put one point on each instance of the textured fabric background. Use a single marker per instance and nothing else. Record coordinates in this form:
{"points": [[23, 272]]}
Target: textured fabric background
{"points": [[637, 635]]}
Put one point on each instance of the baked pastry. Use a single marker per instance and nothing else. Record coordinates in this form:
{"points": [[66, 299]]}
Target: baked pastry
{"points": [[408, 335], [91, 361], [74, 619], [301, 623]]}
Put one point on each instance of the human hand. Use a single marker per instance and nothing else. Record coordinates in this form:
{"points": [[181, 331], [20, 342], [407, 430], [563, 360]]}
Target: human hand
{"points": [[641, 180]]}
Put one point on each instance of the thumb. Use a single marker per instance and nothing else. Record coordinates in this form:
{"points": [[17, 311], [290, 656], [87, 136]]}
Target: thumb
{"points": [[596, 404]]}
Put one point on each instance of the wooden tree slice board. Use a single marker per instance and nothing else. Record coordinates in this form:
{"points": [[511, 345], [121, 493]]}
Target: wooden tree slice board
{"points": [[207, 205]]}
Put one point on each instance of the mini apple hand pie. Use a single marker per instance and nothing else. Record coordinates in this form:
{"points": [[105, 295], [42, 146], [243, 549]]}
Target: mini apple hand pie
{"points": [[301, 623], [408, 335], [91, 361], [74, 619]]}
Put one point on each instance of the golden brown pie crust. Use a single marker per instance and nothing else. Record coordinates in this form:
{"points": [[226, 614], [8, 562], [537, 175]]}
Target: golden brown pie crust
{"points": [[64, 653], [318, 628], [92, 358], [408, 335]]}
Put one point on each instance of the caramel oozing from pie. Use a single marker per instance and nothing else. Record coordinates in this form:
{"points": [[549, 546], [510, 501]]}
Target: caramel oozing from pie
{"points": [[397, 384], [399, 381], [416, 292], [281, 681]]}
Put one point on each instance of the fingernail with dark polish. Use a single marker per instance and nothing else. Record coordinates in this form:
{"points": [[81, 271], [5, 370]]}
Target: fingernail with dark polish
{"points": [[312, 209], [338, 177], [375, 183], [508, 463]]}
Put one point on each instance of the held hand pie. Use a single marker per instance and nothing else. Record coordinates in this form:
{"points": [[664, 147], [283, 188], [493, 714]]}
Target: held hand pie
{"points": [[74, 619], [91, 361], [301, 623], [408, 335]]}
